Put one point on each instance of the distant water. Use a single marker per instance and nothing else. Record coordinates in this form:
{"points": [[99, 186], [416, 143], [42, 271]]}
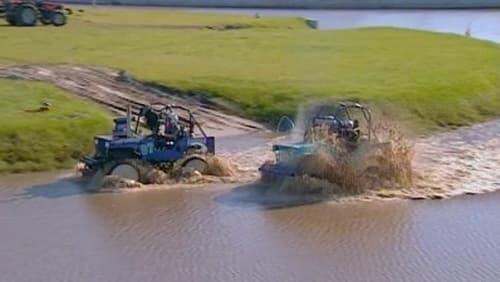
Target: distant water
{"points": [[483, 24]]}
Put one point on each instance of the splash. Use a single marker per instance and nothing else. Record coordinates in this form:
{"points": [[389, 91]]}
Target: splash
{"points": [[219, 166], [338, 168], [219, 170]]}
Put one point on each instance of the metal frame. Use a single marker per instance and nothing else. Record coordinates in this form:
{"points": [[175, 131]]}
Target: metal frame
{"points": [[345, 107], [188, 119]]}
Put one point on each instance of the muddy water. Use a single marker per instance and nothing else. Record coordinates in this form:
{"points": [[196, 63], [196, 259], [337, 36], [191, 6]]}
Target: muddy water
{"points": [[466, 160], [53, 231]]}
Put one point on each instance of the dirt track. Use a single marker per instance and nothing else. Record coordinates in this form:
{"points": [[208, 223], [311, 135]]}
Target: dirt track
{"points": [[116, 90]]}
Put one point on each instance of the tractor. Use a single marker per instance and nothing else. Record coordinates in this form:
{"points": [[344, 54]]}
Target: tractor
{"points": [[174, 140], [340, 122], [29, 12]]}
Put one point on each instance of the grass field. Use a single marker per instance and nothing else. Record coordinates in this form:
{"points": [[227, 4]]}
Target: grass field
{"points": [[260, 67], [425, 79], [32, 140]]}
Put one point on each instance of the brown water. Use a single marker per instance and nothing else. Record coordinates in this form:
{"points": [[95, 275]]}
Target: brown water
{"points": [[55, 232]]}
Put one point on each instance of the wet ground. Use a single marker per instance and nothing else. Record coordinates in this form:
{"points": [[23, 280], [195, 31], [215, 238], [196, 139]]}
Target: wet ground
{"points": [[117, 90], [54, 231]]}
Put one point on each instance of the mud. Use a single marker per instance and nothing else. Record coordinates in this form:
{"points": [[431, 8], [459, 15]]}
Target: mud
{"points": [[116, 89]]}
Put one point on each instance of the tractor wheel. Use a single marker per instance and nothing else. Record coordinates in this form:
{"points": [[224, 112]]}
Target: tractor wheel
{"points": [[58, 19], [132, 169], [194, 163], [10, 20], [26, 16]]}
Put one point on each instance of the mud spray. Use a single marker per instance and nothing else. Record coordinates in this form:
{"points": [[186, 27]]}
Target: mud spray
{"points": [[219, 170], [337, 169]]}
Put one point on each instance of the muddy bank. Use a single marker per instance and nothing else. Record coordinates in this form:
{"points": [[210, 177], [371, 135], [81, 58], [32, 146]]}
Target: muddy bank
{"points": [[115, 90]]}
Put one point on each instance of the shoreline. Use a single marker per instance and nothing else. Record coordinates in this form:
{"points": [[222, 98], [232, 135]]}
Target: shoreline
{"points": [[442, 171]]}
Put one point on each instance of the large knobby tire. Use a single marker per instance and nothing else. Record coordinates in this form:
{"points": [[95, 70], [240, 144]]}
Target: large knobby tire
{"points": [[26, 16], [194, 164], [132, 169], [58, 19]]}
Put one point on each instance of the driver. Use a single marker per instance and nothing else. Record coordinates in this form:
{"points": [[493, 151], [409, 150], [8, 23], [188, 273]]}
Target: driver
{"points": [[171, 123]]}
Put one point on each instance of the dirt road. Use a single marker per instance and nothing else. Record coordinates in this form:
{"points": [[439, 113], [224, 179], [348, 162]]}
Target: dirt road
{"points": [[115, 90]]}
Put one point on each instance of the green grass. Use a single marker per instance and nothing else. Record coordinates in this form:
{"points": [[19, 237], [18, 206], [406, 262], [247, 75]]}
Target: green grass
{"points": [[162, 18], [266, 69], [35, 141]]}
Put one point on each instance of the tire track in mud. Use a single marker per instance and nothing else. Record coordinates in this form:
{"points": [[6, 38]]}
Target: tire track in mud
{"points": [[116, 90]]}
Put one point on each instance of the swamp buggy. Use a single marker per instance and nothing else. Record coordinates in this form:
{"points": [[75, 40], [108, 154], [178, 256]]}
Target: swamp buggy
{"points": [[174, 140], [349, 124]]}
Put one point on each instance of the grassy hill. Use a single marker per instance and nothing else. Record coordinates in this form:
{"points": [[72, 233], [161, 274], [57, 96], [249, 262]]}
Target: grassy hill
{"points": [[266, 67], [270, 65]]}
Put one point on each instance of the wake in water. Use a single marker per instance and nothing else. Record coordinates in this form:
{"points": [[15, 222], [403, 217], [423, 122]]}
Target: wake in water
{"points": [[219, 170]]}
